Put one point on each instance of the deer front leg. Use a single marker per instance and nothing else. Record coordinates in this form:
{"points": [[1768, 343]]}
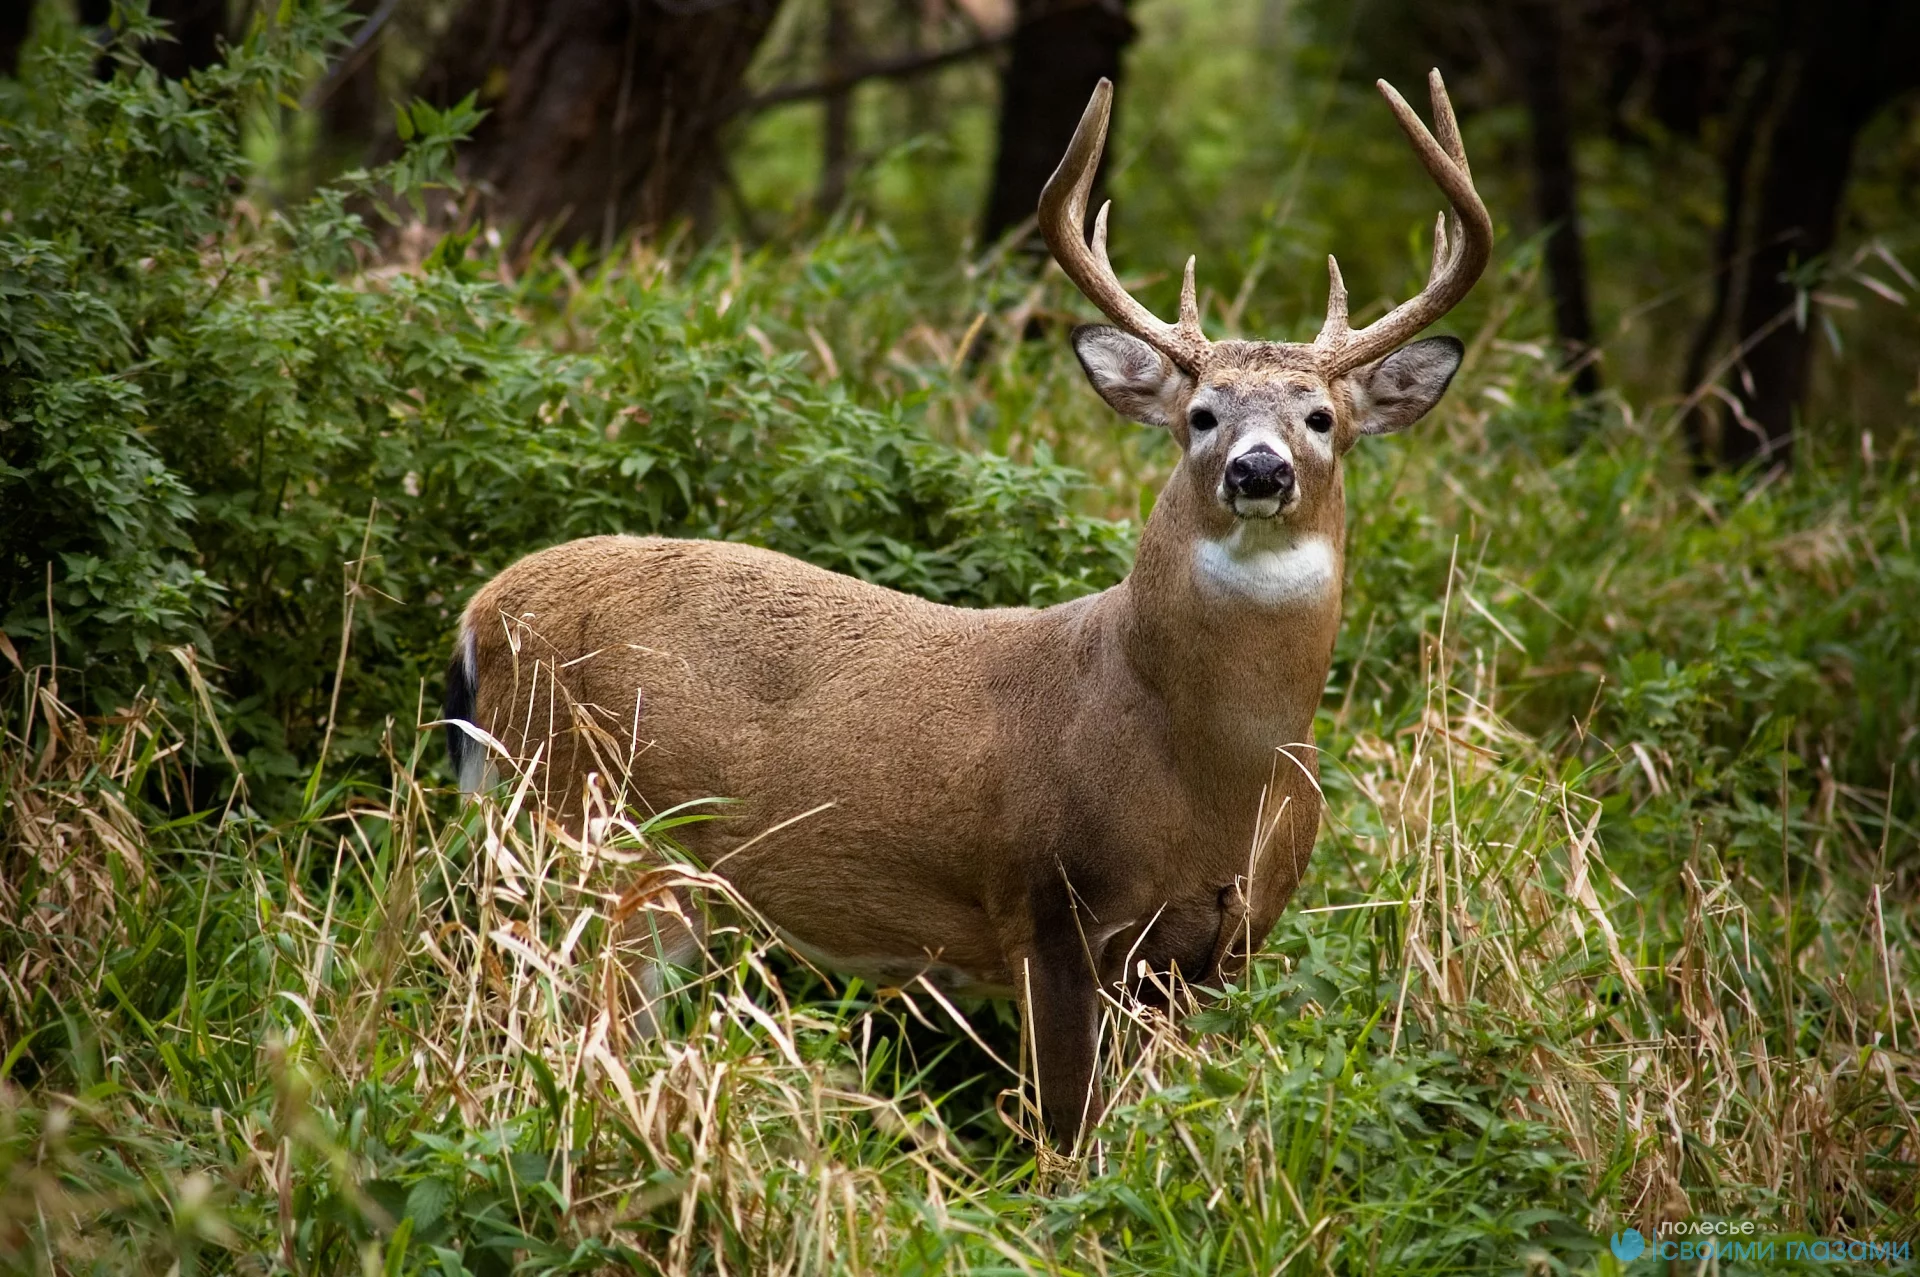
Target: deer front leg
{"points": [[1063, 1006], [1058, 981]]}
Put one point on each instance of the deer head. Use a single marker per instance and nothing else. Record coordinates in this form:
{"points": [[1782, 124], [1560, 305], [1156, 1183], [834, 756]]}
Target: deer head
{"points": [[1262, 425]]}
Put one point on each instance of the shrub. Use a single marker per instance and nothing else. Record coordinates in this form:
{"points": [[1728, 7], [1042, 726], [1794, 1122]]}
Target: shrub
{"points": [[342, 1038], [222, 422]]}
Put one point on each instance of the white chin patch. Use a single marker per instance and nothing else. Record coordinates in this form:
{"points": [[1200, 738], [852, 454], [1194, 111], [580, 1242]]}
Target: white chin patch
{"points": [[1263, 507], [1256, 507], [1263, 564]]}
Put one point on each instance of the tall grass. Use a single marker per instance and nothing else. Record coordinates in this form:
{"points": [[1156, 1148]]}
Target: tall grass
{"points": [[1609, 924], [1612, 919]]}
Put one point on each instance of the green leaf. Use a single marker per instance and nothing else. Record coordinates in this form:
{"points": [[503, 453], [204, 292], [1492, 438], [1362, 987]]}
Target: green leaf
{"points": [[397, 1248], [1221, 1082], [428, 1201]]}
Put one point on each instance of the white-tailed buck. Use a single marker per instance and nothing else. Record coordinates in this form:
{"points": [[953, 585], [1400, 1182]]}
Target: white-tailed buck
{"points": [[1029, 803]]}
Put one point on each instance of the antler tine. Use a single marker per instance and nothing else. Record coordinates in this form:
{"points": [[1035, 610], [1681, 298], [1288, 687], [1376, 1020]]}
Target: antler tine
{"points": [[1333, 333], [1458, 258], [1445, 127], [1100, 257], [1189, 301], [1447, 132], [1063, 215]]}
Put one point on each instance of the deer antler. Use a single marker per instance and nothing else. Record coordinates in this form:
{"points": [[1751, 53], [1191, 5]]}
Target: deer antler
{"points": [[1063, 217], [1458, 258]]}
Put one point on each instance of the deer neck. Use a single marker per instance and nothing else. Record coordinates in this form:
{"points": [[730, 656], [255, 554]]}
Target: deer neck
{"points": [[1232, 628]]}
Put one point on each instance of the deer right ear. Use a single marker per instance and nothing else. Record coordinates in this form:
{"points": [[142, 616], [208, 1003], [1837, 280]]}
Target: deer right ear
{"points": [[1393, 393], [1137, 381]]}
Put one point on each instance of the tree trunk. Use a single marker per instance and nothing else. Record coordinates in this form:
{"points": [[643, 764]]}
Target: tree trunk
{"points": [[353, 113], [1536, 35], [601, 113], [197, 27], [1736, 173], [1061, 48], [16, 20], [1853, 58], [836, 161]]}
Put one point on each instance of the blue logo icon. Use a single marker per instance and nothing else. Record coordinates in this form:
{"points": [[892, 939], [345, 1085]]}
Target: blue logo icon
{"points": [[1628, 1246]]}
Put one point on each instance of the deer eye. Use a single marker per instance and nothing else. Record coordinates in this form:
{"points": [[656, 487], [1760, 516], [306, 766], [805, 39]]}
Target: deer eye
{"points": [[1202, 420], [1321, 420]]}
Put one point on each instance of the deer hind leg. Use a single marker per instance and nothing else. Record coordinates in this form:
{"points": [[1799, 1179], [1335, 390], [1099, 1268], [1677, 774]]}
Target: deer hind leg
{"points": [[666, 929]]}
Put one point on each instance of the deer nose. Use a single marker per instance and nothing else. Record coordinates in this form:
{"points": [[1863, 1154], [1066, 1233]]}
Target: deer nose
{"points": [[1259, 473]]}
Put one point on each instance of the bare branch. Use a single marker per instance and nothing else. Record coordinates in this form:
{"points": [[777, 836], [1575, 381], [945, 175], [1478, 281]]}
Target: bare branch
{"points": [[901, 67]]}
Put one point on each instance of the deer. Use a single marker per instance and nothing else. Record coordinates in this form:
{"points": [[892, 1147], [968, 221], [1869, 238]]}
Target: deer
{"points": [[1059, 805]]}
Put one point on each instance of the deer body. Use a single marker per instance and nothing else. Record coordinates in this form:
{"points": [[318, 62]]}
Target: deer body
{"points": [[976, 760], [1042, 803]]}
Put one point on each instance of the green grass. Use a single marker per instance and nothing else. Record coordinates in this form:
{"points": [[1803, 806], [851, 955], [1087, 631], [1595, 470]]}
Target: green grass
{"points": [[1609, 924], [1611, 921]]}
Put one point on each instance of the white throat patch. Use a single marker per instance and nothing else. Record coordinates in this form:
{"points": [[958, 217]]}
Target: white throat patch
{"points": [[1267, 566]]}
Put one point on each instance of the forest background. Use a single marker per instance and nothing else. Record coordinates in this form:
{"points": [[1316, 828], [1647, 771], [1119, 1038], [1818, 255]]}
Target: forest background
{"points": [[314, 316]]}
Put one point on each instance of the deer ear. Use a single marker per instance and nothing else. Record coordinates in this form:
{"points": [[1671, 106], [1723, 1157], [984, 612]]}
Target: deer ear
{"points": [[1137, 381], [1394, 392]]}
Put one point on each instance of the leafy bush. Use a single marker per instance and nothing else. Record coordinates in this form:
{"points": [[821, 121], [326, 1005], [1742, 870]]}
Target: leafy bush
{"points": [[213, 436], [1573, 953], [1716, 630]]}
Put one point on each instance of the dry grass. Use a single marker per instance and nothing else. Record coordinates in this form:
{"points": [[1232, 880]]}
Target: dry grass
{"points": [[74, 856], [481, 965], [1573, 953]]}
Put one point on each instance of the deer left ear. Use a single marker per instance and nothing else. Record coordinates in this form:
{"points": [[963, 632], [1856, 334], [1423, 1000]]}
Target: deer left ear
{"points": [[1137, 381], [1393, 393]]}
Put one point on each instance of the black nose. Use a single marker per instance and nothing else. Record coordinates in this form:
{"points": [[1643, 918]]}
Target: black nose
{"points": [[1259, 474]]}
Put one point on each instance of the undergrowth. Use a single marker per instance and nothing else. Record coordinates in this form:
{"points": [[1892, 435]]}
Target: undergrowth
{"points": [[1611, 923]]}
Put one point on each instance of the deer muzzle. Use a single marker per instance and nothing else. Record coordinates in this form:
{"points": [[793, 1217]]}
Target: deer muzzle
{"points": [[1259, 482]]}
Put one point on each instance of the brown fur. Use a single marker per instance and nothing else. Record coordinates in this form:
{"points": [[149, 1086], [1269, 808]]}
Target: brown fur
{"points": [[1026, 802]]}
